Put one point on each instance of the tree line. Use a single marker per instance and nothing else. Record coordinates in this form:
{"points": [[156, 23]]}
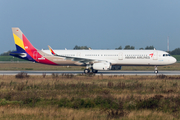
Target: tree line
{"points": [[127, 47], [7, 53]]}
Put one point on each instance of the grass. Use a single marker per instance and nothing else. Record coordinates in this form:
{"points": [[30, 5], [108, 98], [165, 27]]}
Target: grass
{"points": [[36, 66], [10, 58], [177, 57], [89, 97]]}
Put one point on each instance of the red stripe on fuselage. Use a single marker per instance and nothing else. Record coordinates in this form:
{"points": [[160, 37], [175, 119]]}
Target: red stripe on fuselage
{"points": [[46, 61]]}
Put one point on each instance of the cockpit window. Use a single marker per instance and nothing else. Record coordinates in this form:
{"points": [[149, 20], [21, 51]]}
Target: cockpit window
{"points": [[166, 55]]}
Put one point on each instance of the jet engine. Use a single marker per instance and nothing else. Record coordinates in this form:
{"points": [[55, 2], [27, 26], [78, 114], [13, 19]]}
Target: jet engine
{"points": [[102, 66]]}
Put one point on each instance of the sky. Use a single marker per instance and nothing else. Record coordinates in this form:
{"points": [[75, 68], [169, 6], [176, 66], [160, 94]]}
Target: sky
{"points": [[99, 24]]}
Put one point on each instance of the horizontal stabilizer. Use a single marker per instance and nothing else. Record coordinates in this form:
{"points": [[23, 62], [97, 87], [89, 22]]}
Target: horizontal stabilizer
{"points": [[16, 53]]}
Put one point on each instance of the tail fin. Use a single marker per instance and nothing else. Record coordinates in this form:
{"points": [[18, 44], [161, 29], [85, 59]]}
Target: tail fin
{"points": [[21, 42], [17, 34], [24, 49]]}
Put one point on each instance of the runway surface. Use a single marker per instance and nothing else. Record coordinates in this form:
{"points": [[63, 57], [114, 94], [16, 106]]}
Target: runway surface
{"points": [[99, 73]]}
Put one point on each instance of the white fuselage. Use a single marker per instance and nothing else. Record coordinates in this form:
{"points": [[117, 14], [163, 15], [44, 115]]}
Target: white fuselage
{"points": [[119, 57]]}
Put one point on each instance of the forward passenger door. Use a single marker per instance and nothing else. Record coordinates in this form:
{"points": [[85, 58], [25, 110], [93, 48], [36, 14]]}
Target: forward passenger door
{"points": [[120, 56], [155, 55]]}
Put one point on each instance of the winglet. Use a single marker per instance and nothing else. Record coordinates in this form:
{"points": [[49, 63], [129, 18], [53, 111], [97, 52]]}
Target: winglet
{"points": [[51, 50]]}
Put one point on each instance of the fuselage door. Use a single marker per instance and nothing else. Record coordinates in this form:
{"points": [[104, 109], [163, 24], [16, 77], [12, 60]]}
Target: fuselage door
{"points": [[155, 55], [120, 56]]}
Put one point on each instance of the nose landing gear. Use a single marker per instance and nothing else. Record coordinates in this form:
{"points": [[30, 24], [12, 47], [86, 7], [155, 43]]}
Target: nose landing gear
{"points": [[155, 70]]}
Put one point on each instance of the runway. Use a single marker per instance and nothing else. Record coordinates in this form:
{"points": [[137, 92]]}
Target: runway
{"points": [[99, 73]]}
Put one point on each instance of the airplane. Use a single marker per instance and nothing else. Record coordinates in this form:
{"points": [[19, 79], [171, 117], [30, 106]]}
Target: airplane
{"points": [[94, 60]]}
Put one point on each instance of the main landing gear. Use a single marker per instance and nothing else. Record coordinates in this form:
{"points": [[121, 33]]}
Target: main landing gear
{"points": [[87, 70], [155, 70], [94, 71]]}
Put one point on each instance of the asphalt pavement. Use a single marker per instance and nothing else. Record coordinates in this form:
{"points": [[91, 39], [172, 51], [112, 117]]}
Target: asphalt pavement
{"points": [[99, 72]]}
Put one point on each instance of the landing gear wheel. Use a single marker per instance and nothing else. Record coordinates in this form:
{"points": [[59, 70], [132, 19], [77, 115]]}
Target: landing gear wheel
{"points": [[156, 71], [86, 71], [94, 71]]}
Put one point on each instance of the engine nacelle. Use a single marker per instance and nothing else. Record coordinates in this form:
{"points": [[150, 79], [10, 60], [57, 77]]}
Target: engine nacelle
{"points": [[116, 67], [102, 66]]}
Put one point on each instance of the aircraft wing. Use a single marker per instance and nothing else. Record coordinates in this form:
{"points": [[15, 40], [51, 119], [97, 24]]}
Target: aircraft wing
{"points": [[79, 59]]}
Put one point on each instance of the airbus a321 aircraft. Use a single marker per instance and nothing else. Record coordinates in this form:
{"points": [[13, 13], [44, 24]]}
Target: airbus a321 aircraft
{"points": [[94, 60]]}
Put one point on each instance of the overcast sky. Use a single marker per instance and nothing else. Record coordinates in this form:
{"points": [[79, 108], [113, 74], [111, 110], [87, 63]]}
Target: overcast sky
{"points": [[99, 24]]}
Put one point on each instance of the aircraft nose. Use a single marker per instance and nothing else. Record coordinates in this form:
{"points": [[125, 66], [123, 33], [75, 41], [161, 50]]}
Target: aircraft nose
{"points": [[174, 60]]}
